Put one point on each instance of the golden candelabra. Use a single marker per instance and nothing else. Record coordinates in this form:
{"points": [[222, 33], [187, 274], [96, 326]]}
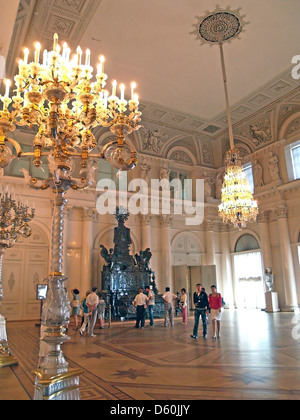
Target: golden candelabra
{"points": [[60, 98]]}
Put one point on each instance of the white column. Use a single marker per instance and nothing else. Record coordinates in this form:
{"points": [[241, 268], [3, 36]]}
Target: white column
{"points": [[291, 300], [210, 243], [263, 220], [87, 281], [146, 232], [227, 267], [166, 255]]}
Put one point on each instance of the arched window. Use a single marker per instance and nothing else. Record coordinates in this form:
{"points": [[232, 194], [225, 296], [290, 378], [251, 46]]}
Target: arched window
{"points": [[246, 243]]}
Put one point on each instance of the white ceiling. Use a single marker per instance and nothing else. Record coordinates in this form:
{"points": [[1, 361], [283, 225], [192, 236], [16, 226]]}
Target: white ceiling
{"points": [[150, 42]]}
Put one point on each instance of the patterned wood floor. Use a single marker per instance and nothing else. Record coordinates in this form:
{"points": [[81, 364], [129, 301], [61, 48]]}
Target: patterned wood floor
{"points": [[256, 358]]}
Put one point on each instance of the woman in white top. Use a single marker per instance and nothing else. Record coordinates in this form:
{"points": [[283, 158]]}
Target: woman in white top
{"points": [[183, 305]]}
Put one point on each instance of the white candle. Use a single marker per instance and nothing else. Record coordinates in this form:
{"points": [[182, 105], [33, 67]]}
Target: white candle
{"points": [[114, 91], [133, 86], [55, 38], [79, 55], [102, 59], [88, 58], [122, 88], [7, 83], [26, 54], [45, 58], [37, 52]]}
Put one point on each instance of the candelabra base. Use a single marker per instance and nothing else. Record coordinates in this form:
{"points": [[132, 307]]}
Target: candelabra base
{"points": [[6, 356], [61, 387]]}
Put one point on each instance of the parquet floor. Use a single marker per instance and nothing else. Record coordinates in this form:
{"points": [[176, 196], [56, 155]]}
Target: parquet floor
{"points": [[256, 358]]}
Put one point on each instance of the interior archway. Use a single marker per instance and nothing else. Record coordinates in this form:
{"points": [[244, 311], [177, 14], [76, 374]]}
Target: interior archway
{"points": [[248, 270]]}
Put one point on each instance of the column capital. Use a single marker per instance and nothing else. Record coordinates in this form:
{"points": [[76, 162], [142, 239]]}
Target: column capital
{"points": [[145, 219], [209, 225], [88, 214], [281, 212], [263, 216], [166, 220], [224, 227]]}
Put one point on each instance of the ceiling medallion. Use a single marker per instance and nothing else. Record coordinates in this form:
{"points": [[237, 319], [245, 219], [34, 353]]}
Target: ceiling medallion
{"points": [[221, 25]]}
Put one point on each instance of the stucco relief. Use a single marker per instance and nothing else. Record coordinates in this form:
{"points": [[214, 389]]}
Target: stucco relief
{"points": [[180, 156], [293, 127], [206, 152], [259, 132], [153, 140]]}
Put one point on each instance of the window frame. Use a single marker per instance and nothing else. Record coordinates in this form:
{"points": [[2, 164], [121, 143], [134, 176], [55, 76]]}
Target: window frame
{"points": [[246, 166], [290, 161]]}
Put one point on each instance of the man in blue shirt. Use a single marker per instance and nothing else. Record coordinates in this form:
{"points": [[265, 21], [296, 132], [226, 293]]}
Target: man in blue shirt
{"points": [[201, 309]]}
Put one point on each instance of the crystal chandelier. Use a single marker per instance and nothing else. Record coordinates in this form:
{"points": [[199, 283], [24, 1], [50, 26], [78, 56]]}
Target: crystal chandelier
{"points": [[59, 95], [237, 204], [14, 220]]}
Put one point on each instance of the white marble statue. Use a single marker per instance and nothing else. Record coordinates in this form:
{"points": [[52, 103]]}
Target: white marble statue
{"points": [[274, 167], [258, 174]]}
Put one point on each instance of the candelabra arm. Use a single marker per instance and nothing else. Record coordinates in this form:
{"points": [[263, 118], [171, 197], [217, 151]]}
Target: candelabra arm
{"points": [[16, 146], [32, 182]]}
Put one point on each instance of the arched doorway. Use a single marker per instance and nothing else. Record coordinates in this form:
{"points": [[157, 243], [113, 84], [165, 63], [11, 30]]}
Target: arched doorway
{"points": [[186, 262], [248, 269]]}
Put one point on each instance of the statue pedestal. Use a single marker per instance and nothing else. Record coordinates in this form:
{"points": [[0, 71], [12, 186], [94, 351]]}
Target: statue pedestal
{"points": [[272, 302]]}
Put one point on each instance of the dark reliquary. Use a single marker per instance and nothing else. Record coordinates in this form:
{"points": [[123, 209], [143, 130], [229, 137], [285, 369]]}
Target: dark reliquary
{"points": [[123, 275]]}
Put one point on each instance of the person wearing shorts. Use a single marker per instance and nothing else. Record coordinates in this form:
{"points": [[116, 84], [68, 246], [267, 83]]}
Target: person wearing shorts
{"points": [[215, 303], [101, 311]]}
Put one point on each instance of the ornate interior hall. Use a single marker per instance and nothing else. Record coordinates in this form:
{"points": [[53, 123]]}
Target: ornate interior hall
{"points": [[100, 102]]}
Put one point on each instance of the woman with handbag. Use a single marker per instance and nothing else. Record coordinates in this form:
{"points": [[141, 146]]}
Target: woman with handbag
{"points": [[75, 305]]}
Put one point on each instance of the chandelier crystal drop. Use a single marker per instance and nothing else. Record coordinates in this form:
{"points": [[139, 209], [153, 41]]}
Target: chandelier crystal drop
{"points": [[237, 204]]}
